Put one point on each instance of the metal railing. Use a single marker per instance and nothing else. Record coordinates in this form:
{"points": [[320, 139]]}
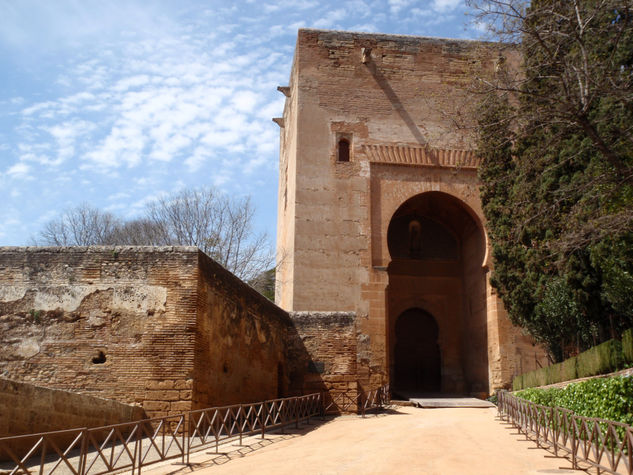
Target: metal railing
{"points": [[131, 446], [605, 445], [356, 401], [375, 399]]}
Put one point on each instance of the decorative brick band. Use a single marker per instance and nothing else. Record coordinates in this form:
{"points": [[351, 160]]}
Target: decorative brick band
{"points": [[428, 157]]}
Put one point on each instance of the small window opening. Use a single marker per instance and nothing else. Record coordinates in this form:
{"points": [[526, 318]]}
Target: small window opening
{"points": [[100, 358], [343, 150]]}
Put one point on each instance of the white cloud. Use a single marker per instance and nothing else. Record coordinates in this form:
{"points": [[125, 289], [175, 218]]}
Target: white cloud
{"points": [[330, 19], [131, 82], [19, 170], [245, 101], [395, 6], [446, 5]]}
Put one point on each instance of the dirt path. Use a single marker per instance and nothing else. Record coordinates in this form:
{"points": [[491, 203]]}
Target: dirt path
{"points": [[406, 440]]}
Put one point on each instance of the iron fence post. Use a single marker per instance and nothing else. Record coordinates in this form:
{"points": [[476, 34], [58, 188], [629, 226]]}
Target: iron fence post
{"points": [[574, 462], [556, 430], [362, 404], [322, 405], [185, 437], [629, 445], [239, 425], [82, 452]]}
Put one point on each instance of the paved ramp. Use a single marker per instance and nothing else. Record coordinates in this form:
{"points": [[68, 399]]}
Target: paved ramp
{"points": [[443, 400], [450, 402], [402, 440]]}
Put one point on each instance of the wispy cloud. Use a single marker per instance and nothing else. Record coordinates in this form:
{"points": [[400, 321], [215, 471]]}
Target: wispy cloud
{"points": [[446, 5], [115, 102], [19, 170]]}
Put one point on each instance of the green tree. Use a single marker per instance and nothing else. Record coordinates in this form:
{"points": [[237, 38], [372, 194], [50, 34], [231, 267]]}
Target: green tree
{"points": [[556, 138]]}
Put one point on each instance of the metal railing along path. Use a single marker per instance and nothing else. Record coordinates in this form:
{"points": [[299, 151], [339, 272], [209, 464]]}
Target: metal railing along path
{"points": [[356, 401], [131, 446], [603, 444]]}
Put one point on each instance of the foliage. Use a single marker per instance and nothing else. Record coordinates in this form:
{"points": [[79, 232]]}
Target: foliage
{"points": [[220, 226], [627, 346], [264, 283], [601, 359], [556, 139], [604, 398]]}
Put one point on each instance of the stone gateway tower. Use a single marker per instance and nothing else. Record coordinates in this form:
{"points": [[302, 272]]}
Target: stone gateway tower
{"points": [[379, 211]]}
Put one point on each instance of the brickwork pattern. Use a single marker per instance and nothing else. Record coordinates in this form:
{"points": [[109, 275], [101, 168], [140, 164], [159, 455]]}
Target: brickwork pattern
{"points": [[62, 309], [166, 328], [323, 352]]}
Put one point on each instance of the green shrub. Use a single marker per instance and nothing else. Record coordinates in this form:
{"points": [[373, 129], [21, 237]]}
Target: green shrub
{"points": [[627, 346], [600, 359], [545, 397], [604, 398]]}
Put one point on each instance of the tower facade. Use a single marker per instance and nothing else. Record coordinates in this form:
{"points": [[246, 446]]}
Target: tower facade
{"points": [[379, 210]]}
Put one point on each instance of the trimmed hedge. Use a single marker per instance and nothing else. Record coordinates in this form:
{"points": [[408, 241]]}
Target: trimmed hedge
{"points": [[601, 359], [605, 358], [627, 345], [569, 370]]}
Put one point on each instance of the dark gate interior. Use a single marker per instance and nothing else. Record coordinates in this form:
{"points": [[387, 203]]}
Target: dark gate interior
{"points": [[417, 353]]}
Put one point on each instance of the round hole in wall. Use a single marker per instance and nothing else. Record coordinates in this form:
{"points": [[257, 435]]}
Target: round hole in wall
{"points": [[100, 358], [225, 368]]}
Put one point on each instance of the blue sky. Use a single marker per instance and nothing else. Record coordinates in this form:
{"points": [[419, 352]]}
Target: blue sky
{"points": [[115, 103]]}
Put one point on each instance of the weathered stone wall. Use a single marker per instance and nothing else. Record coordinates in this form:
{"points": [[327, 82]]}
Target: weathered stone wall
{"points": [[240, 342], [323, 353], [117, 322], [28, 409], [162, 327]]}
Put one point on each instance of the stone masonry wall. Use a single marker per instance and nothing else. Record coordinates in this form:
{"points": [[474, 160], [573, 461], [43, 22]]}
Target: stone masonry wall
{"points": [[114, 322], [27, 409], [323, 352], [240, 341]]}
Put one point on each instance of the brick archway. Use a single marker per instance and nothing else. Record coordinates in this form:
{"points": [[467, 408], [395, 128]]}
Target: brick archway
{"points": [[436, 266]]}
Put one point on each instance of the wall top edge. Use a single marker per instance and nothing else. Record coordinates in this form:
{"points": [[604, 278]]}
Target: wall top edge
{"points": [[399, 38], [98, 249]]}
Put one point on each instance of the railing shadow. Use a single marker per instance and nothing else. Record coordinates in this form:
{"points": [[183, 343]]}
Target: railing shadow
{"points": [[134, 445]]}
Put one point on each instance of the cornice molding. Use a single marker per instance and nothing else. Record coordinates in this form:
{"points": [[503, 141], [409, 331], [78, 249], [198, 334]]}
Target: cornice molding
{"points": [[421, 156]]}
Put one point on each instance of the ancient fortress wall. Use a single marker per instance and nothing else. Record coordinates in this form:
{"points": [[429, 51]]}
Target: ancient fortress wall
{"points": [[165, 328], [118, 323], [240, 349], [322, 352]]}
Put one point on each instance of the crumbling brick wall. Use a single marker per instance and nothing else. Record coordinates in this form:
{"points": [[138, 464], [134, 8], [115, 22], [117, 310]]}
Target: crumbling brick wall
{"points": [[118, 323], [162, 327]]}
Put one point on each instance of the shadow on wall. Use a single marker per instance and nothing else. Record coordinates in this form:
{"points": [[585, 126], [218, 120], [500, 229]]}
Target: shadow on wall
{"points": [[322, 357]]}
